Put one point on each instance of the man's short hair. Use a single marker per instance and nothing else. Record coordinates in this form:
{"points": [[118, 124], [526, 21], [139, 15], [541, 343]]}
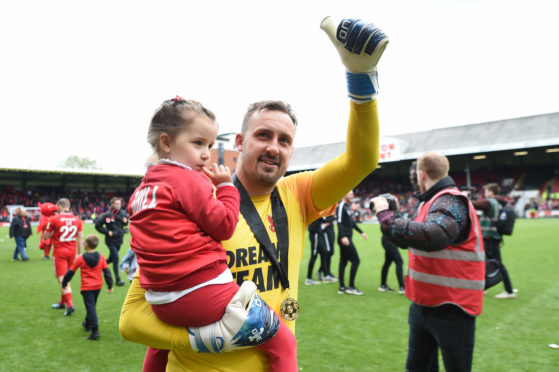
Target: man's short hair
{"points": [[92, 241], [493, 187], [270, 106], [434, 164], [114, 198], [64, 203]]}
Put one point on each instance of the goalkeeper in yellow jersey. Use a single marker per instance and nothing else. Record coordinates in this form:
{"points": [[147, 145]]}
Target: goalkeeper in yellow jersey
{"points": [[267, 245]]}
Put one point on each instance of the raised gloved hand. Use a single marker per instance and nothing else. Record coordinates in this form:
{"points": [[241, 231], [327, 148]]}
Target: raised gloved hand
{"points": [[360, 46], [248, 321]]}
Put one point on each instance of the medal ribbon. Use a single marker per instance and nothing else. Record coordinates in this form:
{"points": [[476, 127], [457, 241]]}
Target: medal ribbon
{"points": [[279, 216]]}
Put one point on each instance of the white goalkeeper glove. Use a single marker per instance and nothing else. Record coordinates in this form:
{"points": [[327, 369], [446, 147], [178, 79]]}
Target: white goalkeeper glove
{"points": [[360, 46], [248, 321]]}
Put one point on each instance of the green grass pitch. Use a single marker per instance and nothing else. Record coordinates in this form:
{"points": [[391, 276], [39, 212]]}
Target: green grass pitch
{"points": [[334, 332]]}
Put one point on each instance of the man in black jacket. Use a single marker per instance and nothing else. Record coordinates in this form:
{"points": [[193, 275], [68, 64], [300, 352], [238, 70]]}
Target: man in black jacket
{"points": [[20, 230], [391, 252], [111, 224], [348, 252]]}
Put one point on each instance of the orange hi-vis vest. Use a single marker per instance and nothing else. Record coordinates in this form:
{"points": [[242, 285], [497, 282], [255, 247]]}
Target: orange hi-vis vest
{"points": [[453, 275]]}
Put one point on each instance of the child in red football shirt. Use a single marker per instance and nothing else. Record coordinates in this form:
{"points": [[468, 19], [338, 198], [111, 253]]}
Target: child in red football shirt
{"points": [[92, 264], [176, 225]]}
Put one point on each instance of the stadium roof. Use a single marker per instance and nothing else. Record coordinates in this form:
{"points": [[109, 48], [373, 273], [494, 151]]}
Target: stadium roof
{"points": [[509, 134]]}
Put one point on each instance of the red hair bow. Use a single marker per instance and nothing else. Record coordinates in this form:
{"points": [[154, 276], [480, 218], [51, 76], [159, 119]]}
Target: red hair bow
{"points": [[176, 99]]}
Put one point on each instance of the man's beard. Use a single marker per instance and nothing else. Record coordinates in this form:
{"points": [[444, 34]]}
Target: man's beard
{"points": [[265, 176]]}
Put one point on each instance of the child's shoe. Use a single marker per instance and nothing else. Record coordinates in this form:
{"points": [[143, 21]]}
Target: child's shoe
{"points": [[69, 311]]}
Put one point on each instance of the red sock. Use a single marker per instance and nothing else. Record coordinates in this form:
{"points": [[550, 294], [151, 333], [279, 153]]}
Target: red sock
{"points": [[62, 301], [68, 300]]}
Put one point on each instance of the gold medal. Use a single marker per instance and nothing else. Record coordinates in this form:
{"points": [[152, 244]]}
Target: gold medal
{"points": [[289, 309]]}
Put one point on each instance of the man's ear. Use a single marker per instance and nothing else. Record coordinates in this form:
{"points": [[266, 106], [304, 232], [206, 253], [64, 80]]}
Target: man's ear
{"points": [[165, 143], [420, 176], [239, 142]]}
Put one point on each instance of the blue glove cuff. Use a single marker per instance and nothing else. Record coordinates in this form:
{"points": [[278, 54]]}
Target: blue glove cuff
{"points": [[362, 87]]}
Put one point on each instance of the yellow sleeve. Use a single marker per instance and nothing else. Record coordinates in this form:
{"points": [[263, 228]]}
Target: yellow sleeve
{"points": [[300, 186], [139, 324], [333, 180]]}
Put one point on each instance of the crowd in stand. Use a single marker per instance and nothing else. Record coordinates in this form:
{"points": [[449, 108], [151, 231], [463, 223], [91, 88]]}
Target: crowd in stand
{"points": [[85, 205]]}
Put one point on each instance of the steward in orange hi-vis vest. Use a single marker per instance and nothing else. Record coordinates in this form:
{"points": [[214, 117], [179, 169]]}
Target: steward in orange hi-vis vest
{"points": [[454, 275]]}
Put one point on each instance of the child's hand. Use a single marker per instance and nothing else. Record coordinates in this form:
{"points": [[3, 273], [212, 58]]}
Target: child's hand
{"points": [[110, 290], [218, 174], [127, 270]]}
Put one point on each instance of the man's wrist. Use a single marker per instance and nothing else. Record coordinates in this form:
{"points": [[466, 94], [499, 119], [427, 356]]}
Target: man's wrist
{"points": [[385, 218], [362, 87]]}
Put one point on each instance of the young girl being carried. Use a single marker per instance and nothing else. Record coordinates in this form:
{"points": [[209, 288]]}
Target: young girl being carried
{"points": [[176, 225]]}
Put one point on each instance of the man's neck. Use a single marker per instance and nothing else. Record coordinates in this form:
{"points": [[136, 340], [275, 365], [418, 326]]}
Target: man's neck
{"points": [[254, 189], [430, 183]]}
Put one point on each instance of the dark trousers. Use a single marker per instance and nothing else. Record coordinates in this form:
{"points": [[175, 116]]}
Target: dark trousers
{"points": [[329, 252], [446, 327], [317, 248], [348, 253], [391, 254], [493, 251], [90, 303], [324, 267], [113, 257]]}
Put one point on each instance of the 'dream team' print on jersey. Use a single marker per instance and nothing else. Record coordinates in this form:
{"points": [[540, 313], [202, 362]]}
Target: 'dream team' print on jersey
{"points": [[253, 264]]}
